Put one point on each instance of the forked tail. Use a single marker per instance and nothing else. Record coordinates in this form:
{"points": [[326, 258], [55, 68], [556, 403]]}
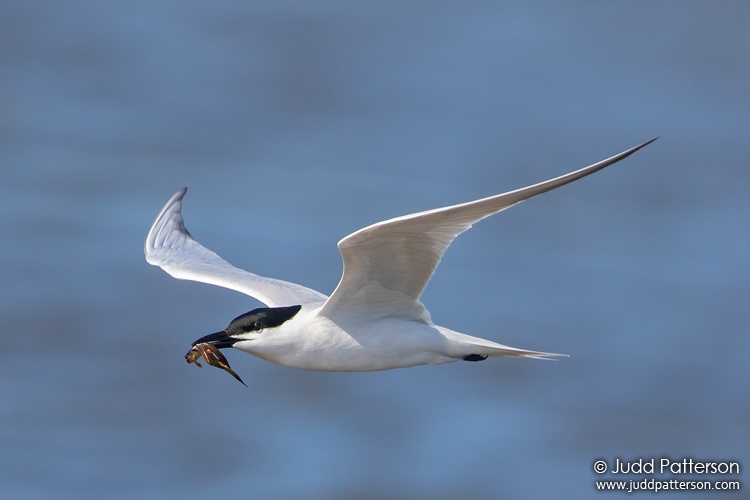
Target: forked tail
{"points": [[468, 348]]}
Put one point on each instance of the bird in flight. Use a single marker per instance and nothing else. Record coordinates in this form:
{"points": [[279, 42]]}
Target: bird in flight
{"points": [[374, 319]]}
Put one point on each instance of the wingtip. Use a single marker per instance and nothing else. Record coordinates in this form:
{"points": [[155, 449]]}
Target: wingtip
{"points": [[179, 195], [640, 146], [623, 155], [176, 198], [158, 224]]}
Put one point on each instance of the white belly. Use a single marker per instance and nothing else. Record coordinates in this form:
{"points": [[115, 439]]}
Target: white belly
{"points": [[328, 346]]}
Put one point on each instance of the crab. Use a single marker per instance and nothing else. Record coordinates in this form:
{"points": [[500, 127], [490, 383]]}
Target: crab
{"points": [[213, 357]]}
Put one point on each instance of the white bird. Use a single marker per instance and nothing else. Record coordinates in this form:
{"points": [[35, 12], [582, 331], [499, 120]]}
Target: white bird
{"points": [[374, 319]]}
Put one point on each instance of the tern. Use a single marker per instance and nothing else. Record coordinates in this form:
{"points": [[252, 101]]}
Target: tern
{"points": [[374, 319]]}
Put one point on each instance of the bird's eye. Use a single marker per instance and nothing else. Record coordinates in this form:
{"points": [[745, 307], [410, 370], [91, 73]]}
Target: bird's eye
{"points": [[256, 326]]}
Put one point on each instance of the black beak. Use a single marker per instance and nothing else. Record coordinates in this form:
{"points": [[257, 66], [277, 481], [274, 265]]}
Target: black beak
{"points": [[220, 340]]}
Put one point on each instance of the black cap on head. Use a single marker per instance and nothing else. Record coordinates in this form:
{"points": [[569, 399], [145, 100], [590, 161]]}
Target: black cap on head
{"points": [[263, 317]]}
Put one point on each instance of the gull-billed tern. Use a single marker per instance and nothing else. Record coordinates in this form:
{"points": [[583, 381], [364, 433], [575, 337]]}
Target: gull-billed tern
{"points": [[374, 319]]}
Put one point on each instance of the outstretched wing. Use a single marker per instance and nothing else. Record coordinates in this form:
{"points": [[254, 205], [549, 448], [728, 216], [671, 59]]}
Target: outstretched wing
{"points": [[170, 246], [387, 265]]}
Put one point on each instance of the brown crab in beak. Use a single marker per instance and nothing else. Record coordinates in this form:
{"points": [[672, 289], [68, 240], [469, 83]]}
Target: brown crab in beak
{"points": [[213, 357]]}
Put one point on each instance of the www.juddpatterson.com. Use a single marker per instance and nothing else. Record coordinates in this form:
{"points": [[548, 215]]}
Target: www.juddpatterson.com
{"points": [[666, 466]]}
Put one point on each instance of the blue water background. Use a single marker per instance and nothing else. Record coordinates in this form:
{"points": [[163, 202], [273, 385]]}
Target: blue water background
{"points": [[295, 123]]}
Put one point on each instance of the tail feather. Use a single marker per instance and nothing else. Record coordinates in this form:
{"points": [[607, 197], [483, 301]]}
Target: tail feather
{"points": [[464, 346]]}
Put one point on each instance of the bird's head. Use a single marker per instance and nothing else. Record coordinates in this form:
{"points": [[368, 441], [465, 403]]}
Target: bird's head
{"points": [[250, 326]]}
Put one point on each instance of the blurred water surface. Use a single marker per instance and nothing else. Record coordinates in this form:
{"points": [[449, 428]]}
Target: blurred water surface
{"points": [[295, 123]]}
